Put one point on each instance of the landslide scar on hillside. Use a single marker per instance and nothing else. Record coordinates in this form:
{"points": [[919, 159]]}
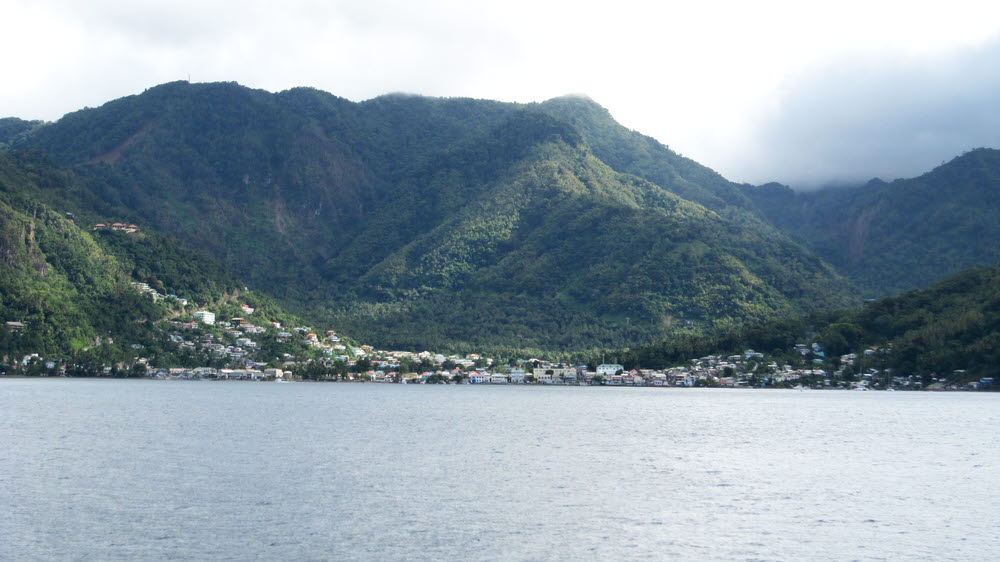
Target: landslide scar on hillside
{"points": [[114, 155]]}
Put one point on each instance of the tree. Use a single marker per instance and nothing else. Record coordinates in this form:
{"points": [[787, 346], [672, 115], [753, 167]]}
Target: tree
{"points": [[839, 338], [362, 365]]}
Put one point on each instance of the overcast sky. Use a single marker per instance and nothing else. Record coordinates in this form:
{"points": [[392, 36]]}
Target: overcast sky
{"points": [[805, 93]]}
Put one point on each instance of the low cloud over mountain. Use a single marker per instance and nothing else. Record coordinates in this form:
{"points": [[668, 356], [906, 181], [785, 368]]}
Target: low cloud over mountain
{"points": [[857, 117]]}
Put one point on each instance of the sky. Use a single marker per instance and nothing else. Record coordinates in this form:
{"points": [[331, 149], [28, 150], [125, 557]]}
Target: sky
{"points": [[804, 93]]}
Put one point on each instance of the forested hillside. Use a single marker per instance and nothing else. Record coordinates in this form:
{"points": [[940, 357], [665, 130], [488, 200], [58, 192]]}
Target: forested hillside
{"points": [[439, 222], [58, 287], [560, 248], [453, 223], [950, 329], [68, 288], [890, 237], [633, 153]]}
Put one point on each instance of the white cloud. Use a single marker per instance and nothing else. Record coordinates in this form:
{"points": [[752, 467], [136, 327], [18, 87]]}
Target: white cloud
{"points": [[696, 75], [855, 117]]}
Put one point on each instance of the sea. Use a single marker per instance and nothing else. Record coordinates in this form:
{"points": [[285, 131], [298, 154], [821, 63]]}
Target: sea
{"points": [[203, 470]]}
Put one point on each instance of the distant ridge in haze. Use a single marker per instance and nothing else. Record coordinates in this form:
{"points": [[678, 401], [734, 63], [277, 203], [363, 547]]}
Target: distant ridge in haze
{"points": [[906, 234]]}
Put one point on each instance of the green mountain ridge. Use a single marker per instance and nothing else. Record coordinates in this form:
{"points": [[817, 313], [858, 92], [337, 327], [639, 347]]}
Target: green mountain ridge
{"points": [[453, 223], [466, 222], [13, 130], [553, 231], [891, 237], [631, 152]]}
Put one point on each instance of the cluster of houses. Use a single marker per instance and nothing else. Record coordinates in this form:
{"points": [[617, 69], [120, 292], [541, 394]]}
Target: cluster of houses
{"points": [[236, 344], [145, 289], [238, 352], [117, 227], [749, 369], [236, 340]]}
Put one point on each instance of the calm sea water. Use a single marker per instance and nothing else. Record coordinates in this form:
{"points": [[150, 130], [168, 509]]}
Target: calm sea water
{"points": [[97, 470]]}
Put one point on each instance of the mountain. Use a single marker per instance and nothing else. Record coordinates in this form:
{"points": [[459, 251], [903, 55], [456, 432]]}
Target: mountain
{"points": [[630, 152], [554, 246], [891, 237], [422, 222]]}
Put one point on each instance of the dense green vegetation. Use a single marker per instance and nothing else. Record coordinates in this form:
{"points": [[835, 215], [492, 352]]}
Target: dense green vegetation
{"points": [[891, 237], [561, 249], [457, 224], [951, 329], [448, 223], [67, 288], [633, 153], [31, 179], [13, 130], [61, 285]]}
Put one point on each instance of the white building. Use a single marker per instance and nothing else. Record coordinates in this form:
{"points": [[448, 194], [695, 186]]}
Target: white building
{"points": [[609, 369], [204, 317]]}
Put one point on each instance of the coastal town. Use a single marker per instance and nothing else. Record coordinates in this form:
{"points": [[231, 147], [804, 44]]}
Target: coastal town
{"points": [[711, 371], [338, 362], [245, 348]]}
